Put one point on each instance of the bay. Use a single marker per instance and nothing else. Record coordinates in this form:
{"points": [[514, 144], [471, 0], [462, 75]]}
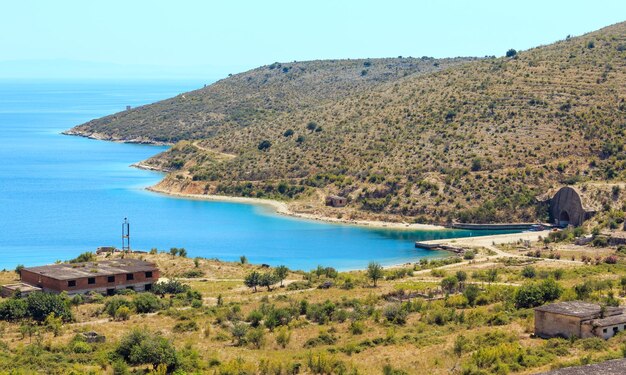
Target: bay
{"points": [[62, 195]]}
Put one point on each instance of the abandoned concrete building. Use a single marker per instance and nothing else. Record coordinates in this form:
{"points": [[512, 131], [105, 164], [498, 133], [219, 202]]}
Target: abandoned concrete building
{"points": [[79, 278], [578, 319], [567, 208], [336, 201]]}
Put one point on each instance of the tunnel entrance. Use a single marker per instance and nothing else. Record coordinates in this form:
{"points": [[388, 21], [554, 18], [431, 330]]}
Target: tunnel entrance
{"points": [[564, 219]]}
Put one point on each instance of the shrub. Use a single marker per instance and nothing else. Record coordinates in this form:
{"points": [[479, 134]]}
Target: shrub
{"points": [[170, 287], [288, 133], [40, 305], [264, 145], [395, 314], [122, 313], [511, 53], [140, 347], [113, 304], [536, 294], [374, 272], [146, 303], [283, 336], [471, 293], [239, 332], [13, 309], [80, 347], [186, 326], [192, 274], [529, 272], [469, 255], [256, 337], [84, 257]]}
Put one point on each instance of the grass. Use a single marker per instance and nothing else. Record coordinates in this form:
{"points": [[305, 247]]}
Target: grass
{"points": [[424, 343]]}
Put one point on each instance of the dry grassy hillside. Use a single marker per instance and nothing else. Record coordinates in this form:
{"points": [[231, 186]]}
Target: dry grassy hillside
{"points": [[253, 97], [474, 142]]}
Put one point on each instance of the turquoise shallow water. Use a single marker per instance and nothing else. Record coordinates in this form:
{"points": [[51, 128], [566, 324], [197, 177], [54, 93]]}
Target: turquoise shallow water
{"points": [[62, 195]]}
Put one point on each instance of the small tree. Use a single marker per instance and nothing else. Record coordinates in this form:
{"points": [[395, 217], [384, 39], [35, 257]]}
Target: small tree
{"points": [[283, 336], [18, 270], [239, 332], [311, 126], [256, 337], [449, 284], [252, 280], [281, 273], [288, 133], [471, 293], [374, 272], [511, 53], [264, 145], [243, 259], [173, 251], [267, 280], [182, 252], [462, 277]]}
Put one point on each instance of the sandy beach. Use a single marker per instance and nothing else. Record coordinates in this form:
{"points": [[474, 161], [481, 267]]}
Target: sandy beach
{"points": [[282, 208]]}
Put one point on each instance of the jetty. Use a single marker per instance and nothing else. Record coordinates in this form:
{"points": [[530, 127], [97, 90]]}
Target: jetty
{"points": [[439, 246]]}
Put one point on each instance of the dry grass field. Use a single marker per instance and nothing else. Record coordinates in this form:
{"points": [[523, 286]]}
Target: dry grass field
{"points": [[439, 317]]}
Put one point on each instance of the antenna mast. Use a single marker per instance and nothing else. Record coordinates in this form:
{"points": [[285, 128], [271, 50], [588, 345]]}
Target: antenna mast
{"points": [[125, 235]]}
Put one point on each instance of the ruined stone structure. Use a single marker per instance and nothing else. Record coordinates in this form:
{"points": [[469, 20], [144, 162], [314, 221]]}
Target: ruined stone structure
{"points": [[336, 201], [567, 208], [578, 319]]}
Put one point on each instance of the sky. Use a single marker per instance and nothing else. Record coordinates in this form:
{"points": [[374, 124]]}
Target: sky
{"points": [[209, 39]]}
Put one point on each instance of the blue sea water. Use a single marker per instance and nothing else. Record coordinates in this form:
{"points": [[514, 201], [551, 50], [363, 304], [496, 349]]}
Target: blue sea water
{"points": [[62, 195]]}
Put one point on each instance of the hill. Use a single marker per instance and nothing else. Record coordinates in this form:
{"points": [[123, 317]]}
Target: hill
{"points": [[479, 141], [256, 96]]}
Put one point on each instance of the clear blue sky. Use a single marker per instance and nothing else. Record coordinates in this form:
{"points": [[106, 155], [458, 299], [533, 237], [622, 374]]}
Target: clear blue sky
{"points": [[211, 38]]}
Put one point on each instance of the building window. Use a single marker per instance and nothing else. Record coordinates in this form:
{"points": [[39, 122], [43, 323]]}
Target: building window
{"points": [[71, 283], [604, 330], [615, 329], [91, 280], [148, 274], [111, 279], [147, 287], [130, 276], [130, 287]]}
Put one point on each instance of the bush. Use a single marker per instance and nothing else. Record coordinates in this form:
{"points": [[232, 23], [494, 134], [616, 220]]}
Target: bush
{"points": [[529, 272], [40, 305], [170, 287], [471, 293], [511, 53], [141, 347], [256, 337], [187, 326], [264, 145], [536, 294], [112, 305], [147, 303], [395, 314], [192, 274], [122, 313], [13, 309], [80, 347]]}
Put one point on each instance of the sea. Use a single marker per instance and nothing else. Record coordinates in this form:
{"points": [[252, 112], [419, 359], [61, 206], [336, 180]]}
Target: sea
{"points": [[63, 195]]}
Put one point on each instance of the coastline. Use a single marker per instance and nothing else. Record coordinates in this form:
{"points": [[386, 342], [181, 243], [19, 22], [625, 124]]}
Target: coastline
{"points": [[282, 208]]}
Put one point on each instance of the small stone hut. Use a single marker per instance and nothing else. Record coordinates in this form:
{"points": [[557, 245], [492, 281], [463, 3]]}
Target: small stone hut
{"points": [[578, 319], [336, 201], [567, 208]]}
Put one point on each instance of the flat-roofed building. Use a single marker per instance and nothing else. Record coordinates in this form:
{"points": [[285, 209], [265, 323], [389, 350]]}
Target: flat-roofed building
{"points": [[105, 276], [578, 319]]}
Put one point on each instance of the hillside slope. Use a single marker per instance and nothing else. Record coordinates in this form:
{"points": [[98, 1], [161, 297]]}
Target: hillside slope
{"points": [[256, 96], [474, 142]]}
